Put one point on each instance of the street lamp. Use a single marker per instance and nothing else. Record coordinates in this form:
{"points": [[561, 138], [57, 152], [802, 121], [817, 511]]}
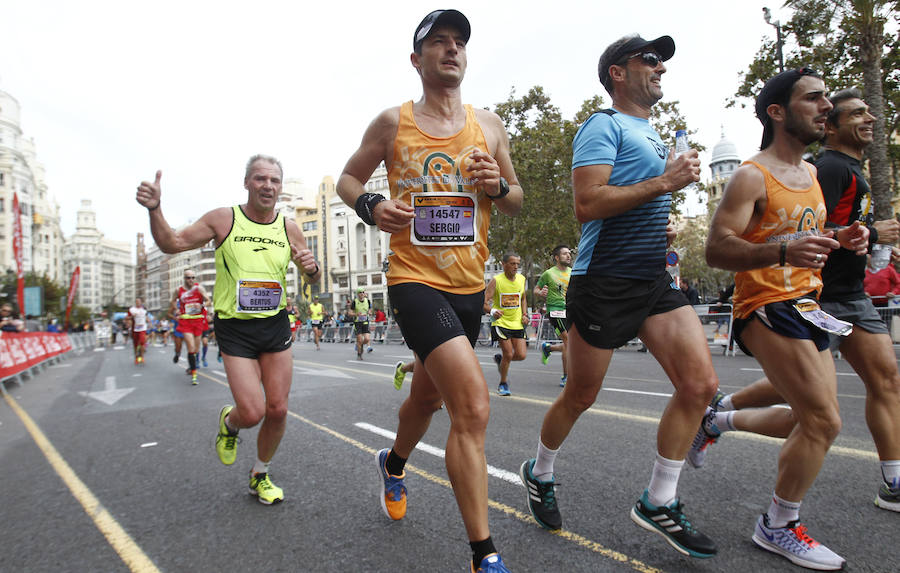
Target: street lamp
{"points": [[767, 16], [346, 216]]}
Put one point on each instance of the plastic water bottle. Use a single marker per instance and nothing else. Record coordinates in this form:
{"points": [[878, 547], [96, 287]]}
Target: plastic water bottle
{"points": [[681, 146]]}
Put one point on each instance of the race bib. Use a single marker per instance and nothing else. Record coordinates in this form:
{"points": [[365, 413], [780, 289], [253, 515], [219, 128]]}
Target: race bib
{"points": [[444, 219], [509, 300], [557, 314], [258, 295], [193, 308], [362, 318], [813, 314]]}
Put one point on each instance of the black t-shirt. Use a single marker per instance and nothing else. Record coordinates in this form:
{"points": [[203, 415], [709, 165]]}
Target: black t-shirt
{"points": [[848, 198]]}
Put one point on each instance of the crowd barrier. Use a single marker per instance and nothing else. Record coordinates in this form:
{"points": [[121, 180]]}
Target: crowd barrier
{"points": [[22, 354], [384, 332]]}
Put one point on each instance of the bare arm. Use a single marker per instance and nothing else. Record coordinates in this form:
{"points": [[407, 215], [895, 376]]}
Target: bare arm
{"points": [[300, 253], [524, 301], [488, 167], [489, 295], [540, 291], [173, 305]]}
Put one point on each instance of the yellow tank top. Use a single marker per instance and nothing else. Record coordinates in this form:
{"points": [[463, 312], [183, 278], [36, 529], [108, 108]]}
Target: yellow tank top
{"points": [[446, 245], [316, 311], [790, 214], [508, 298], [250, 267]]}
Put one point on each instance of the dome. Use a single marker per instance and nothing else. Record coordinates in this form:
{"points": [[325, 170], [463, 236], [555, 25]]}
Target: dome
{"points": [[725, 150]]}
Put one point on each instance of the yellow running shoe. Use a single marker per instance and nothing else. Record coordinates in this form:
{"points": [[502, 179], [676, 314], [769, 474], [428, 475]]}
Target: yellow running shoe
{"points": [[194, 378], [226, 442], [263, 488]]}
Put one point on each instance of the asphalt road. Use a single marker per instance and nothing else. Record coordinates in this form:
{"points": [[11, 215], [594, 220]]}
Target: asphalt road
{"points": [[110, 467]]}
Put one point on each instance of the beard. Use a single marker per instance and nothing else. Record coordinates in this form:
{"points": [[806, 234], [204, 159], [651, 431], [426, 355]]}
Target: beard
{"points": [[806, 134]]}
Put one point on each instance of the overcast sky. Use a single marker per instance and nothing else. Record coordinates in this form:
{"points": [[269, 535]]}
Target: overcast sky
{"points": [[112, 91]]}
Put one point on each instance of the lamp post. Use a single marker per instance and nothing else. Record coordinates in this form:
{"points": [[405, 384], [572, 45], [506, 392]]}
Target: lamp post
{"points": [[767, 16], [346, 216]]}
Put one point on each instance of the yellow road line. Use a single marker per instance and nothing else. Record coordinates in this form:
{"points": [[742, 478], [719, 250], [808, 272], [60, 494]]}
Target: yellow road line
{"points": [[115, 534]]}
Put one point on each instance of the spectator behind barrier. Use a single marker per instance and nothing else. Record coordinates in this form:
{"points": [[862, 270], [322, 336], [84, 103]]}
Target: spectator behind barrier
{"points": [[8, 321]]}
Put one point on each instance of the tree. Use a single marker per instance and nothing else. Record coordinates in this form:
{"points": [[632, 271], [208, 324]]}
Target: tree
{"points": [[691, 246], [666, 119], [845, 39]]}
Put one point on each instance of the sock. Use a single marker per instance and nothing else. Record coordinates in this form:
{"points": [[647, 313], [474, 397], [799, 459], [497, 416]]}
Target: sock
{"points": [[781, 512], [664, 481], [724, 421], [890, 472], [205, 348], [260, 467], [394, 464], [725, 404], [543, 464], [192, 360], [480, 550]]}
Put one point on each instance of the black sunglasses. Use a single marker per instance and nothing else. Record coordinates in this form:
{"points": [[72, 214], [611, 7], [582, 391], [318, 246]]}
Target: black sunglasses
{"points": [[649, 58]]}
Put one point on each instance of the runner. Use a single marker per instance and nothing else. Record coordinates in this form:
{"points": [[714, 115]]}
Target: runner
{"points": [[778, 262], [316, 318], [552, 285], [188, 302], [292, 318], [137, 316], [436, 275], [623, 176], [207, 332], [163, 330], [504, 299], [360, 312], [251, 325]]}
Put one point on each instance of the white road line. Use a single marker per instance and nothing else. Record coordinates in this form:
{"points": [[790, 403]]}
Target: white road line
{"points": [[496, 472], [839, 373], [371, 363], [218, 373], [663, 394]]}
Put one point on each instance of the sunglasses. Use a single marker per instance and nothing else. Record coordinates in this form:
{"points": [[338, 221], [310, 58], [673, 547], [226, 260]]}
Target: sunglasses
{"points": [[649, 58]]}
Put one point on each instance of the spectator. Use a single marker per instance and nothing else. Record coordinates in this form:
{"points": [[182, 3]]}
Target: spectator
{"points": [[882, 285], [53, 326], [690, 292], [380, 316], [8, 320]]}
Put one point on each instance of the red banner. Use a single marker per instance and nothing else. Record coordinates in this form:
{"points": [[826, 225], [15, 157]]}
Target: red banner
{"points": [[73, 286], [22, 350], [17, 254]]}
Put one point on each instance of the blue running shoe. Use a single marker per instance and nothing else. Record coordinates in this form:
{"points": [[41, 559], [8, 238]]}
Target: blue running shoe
{"points": [[205, 364], [503, 389], [562, 381], [490, 564], [545, 352], [888, 497], [392, 492], [671, 523]]}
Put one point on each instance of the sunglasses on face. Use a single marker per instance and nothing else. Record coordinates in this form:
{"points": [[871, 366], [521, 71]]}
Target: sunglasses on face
{"points": [[649, 58]]}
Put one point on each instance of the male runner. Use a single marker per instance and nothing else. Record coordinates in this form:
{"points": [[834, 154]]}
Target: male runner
{"points": [[208, 333], [623, 176], [769, 227], [868, 348], [359, 310], [504, 299], [316, 317], [438, 248], [188, 302], [137, 315], [163, 330], [292, 318], [251, 324], [552, 285]]}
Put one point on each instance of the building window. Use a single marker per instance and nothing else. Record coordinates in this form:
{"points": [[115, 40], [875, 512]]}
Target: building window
{"points": [[2, 200], [376, 279], [342, 282], [340, 229], [362, 280], [341, 260], [309, 226]]}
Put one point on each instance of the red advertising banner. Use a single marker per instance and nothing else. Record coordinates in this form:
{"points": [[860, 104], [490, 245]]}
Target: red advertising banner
{"points": [[73, 286], [17, 254], [22, 350]]}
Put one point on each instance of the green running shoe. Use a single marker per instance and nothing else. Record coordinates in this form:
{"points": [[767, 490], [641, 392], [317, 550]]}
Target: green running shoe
{"points": [[545, 352], [263, 488], [399, 375], [226, 442]]}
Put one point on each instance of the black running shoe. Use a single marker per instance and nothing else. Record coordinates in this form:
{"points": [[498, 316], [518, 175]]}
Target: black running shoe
{"points": [[541, 497], [670, 522]]}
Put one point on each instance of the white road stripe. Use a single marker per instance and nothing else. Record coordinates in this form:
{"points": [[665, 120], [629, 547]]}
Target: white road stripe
{"points": [[839, 373], [496, 472], [218, 373]]}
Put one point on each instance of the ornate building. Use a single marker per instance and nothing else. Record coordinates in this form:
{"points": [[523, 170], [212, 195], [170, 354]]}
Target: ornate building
{"points": [[725, 160]]}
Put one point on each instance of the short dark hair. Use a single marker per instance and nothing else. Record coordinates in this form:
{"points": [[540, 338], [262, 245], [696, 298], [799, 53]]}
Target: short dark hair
{"points": [[555, 252], [508, 255], [778, 90], [838, 98]]}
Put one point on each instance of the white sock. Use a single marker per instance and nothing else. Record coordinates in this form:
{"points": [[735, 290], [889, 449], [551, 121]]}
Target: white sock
{"points": [[725, 421], [890, 471], [781, 512], [543, 465], [664, 481], [725, 404], [260, 467]]}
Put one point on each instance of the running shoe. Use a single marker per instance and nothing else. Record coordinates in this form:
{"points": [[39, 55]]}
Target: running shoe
{"points": [[503, 389], [562, 381], [714, 403], [370, 349], [545, 353], [399, 375], [226, 442], [670, 522], [219, 357], [205, 364], [793, 543], [706, 435], [490, 564], [541, 498], [498, 358], [263, 488], [175, 359], [888, 497], [194, 378], [393, 490], [137, 361]]}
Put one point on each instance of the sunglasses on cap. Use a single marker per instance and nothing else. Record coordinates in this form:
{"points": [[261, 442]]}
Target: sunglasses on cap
{"points": [[649, 58]]}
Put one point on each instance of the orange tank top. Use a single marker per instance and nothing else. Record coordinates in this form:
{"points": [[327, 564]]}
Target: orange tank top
{"points": [[790, 214], [446, 245]]}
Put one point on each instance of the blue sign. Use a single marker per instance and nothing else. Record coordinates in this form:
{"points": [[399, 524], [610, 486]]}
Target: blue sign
{"points": [[671, 258], [34, 301]]}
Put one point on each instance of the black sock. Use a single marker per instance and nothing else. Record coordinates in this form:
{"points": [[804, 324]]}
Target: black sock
{"points": [[480, 550], [394, 464], [192, 360]]}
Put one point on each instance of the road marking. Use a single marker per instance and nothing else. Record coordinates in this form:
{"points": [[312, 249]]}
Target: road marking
{"points": [[328, 372], [148, 445], [511, 477], [110, 394], [838, 373], [129, 551], [371, 363]]}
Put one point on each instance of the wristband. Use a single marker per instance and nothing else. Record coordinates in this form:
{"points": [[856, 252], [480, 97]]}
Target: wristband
{"points": [[153, 208], [504, 191], [312, 274], [783, 254], [365, 206]]}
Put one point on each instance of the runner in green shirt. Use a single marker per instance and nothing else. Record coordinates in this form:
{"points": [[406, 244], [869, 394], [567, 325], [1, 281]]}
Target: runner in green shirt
{"points": [[553, 285]]}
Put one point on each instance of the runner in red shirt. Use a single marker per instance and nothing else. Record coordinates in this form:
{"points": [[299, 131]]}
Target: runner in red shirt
{"points": [[190, 298]]}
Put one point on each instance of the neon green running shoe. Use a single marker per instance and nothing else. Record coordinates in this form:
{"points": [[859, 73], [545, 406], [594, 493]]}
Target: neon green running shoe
{"points": [[399, 375], [226, 442], [263, 488]]}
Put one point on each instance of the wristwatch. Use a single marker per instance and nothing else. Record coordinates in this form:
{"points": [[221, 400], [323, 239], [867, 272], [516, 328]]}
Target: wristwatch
{"points": [[504, 191]]}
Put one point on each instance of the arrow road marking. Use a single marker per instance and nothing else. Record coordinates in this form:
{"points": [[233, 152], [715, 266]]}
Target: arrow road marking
{"points": [[110, 394]]}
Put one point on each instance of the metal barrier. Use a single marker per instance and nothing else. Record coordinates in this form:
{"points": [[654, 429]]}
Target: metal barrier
{"points": [[890, 314], [717, 320]]}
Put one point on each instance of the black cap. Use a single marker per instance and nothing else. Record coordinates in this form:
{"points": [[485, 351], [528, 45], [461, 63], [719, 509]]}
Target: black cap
{"points": [[777, 90], [664, 46], [453, 18]]}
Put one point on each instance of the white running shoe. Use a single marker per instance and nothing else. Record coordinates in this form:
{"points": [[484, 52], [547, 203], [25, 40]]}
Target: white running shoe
{"points": [[793, 543]]}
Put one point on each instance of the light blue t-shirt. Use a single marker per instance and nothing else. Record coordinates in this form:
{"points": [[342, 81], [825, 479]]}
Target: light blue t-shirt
{"points": [[632, 244]]}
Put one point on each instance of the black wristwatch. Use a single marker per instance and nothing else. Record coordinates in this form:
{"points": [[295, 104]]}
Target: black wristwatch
{"points": [[504, 191]]}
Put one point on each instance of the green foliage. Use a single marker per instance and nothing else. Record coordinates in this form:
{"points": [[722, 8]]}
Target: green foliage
{"points": [[52, 290], [691, 246], [666, 119]]}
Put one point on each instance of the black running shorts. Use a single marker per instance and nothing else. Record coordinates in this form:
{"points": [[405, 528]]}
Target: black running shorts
{"points": [[429, 317], [609, 311], [501, 333], [250, 337], [784, 319], [361, 327]]}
